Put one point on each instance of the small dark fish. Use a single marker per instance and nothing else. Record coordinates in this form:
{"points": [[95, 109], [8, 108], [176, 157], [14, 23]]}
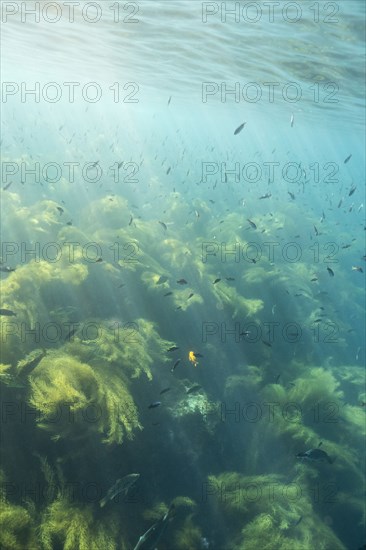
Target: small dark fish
{"points": [[267, 343], [131, 220], [266, 196], [168, 293], [330, 271], [239, 129], [154, 405], [164, 390], [340, 203], [162, 279], [316, 231], [357, 268], [182, 282], [277, 378], [7, 312], [163, 225], [347, 159], [352, 190], [211, 201], [190, 296], [179, 307], [252, 224], [230, 278], [69, 223], [194, 388], [61, 210], [314, 279], [346, 246], [7, 186], [167, 172], [173, 348], [198, 354], [175, 365], [6, 269], [317, 321], [292, 120], [291, 195], [216, 281], [98, 260], [298, 521], [120, 164], [169, 100], [121, 285]]}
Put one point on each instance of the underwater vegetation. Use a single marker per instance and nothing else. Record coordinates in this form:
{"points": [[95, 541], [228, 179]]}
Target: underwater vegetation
{"points": [[273, 518], [68, 526], [123, 393], [17, 523]]}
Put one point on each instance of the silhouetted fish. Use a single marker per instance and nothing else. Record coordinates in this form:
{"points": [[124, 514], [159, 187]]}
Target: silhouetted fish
{"points": [[7, 312], [154, 405], [239, 129]]}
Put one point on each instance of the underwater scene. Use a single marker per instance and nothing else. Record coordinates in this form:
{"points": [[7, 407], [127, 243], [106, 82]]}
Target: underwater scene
{"points": [[182, 266]]}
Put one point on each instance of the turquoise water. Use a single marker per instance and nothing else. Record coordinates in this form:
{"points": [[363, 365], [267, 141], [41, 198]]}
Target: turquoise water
{"points": [[136, 217]]}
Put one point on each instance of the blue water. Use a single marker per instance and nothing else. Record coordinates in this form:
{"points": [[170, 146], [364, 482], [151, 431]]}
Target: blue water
{"points": [[120, 167]]}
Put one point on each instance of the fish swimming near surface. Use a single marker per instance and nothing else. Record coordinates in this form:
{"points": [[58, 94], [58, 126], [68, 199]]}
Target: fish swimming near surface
{"points": [[182, 282], [330, 271], [347, 159], [122, 485], [239, 129], [6, 269], [252, 224], [162, 279], [173, 348]]}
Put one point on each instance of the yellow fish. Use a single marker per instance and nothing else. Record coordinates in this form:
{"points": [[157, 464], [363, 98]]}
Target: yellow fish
{"points": [[192, 358]]}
